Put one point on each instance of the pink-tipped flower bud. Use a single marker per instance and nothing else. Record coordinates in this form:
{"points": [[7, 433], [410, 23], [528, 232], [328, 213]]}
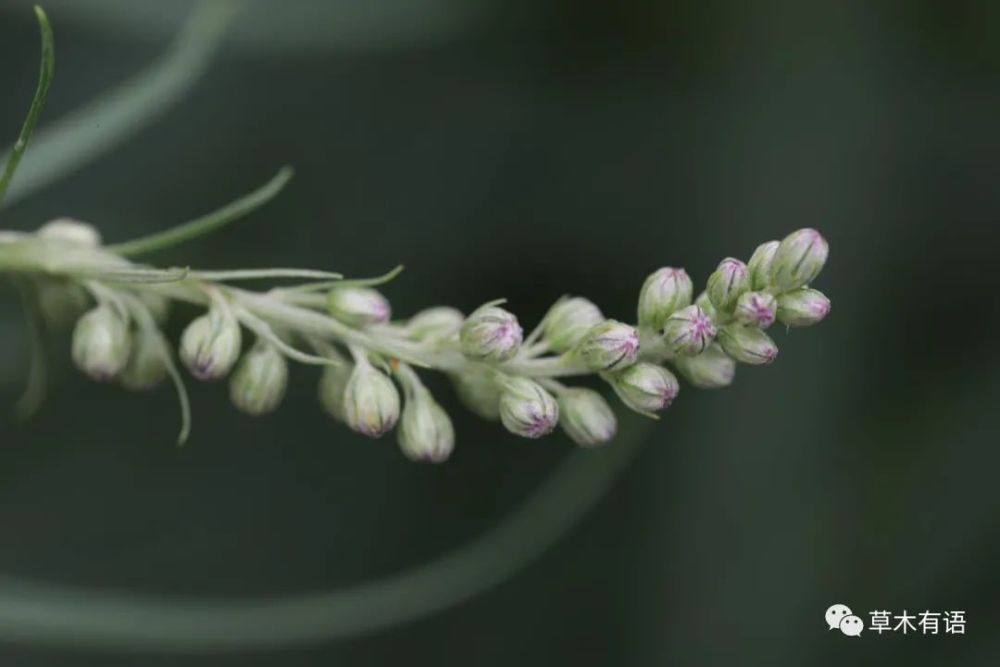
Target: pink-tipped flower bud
{"points": [[425, 430], [747, 344], [526, 409], [568, 322], [211, 344], [586, 417], [756, 309], [491, 334], [802, 307], [712, 369], [727, 283], [358, 306], [646, 388], [799, 259], [665, 291], [371, 401], [688, 332], [760, 265], [608, 346]]}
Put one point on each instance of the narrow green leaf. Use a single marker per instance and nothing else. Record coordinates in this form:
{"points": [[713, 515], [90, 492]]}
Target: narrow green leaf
{"points": [[260, 327], [82, 136], [356, 282], [144, 318], [263, 274], [138, 274], [207, 223], [47, 70]]}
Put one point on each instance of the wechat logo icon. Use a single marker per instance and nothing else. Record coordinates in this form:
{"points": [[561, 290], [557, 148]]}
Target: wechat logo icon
{"points": [[840, 617]]}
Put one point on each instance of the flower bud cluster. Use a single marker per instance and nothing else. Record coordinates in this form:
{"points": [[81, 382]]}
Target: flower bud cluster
{"points": [[498, 372]]}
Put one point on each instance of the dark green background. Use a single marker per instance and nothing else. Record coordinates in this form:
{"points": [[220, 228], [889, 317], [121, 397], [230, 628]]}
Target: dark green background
{"points": [[526, 150]]}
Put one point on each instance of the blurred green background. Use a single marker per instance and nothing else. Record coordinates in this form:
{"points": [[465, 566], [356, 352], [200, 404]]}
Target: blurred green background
{"points": [[529, 149]]}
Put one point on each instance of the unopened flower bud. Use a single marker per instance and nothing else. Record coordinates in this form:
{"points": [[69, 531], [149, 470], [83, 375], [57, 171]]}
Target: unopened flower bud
{"points": [[799, 259], [802, 307], [688, 331], [526, 409], [712, 369], [491, 334], [586, 417], [101, 343], [609, 346], [146, 367], [665, 291], [479, 393], [332, 386], [71, 231], [425, 430], [358, 306], [435, 324], [568, 321], [210, 345], [760, 265], [727, 283], [756, 309], [258, 385], [371, 401], [645, 387], [747, 344]]}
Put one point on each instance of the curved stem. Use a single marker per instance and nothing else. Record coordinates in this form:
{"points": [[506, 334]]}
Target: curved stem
{"points": [[43, 614]]}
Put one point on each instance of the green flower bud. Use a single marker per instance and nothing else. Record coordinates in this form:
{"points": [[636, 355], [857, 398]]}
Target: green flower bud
{"points": [[760, 265], [645, 388], [799, 259], [665, 291], [435, 324], [210, 345], [756, 309], [332, 386], [688, 331], [586, 417], [358, 306], [491, 334], [608, 346], [705, 304], [729, 281], [802, 307], [146, 368], [479, 393], [70, 231], [425, 430], [101, 343], [61, 302], [712, 369], [526, 409], [568, 321], [258, 385], [747, 344], [371, 401]]}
